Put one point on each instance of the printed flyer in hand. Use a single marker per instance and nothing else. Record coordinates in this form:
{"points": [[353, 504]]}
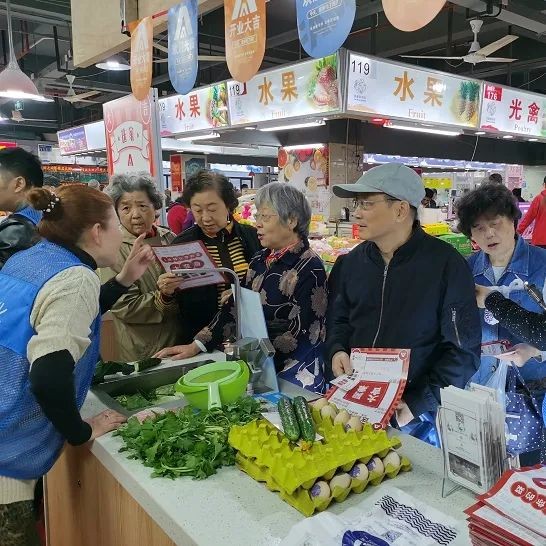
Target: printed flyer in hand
{"points": [[192, 255], [375, 387]]}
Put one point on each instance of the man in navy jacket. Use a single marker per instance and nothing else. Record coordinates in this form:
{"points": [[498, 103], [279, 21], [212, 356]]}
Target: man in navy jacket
{"points": [[404, 289]]}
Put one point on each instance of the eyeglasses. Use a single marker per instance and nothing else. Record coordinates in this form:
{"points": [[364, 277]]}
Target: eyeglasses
{"points": [[364, 204], [264, 217]]}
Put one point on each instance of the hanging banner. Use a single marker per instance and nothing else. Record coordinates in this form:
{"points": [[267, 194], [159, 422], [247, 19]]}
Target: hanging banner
{"points": [[513, 111], [183, 46], [323, 25], [404, 92], [303, 89], [176, 172], [132, 139], [141, 58], [410, 15], [205, 108], [245, 37]]}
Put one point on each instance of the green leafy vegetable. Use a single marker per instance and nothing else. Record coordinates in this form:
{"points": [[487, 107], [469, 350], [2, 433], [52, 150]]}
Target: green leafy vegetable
{"points": [[145, 399], [146, 363], [186, 442]]}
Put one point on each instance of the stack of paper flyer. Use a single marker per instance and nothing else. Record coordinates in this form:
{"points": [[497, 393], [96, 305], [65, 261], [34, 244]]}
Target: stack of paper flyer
{"points": [[471, 426], [513, 512]]}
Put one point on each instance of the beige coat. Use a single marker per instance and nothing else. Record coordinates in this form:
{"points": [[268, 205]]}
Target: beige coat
{"points": [[142, 322]]}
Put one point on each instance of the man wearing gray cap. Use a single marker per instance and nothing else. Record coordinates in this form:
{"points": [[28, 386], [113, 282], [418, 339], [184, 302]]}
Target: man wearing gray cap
{"points": [[404, 289]]}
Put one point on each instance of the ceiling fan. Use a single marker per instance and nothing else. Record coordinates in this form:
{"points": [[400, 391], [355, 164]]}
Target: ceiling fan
{"points": [[476, 54], [71, 95], [17, 116]]}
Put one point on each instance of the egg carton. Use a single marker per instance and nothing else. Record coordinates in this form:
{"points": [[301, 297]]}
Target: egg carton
{"points": [[291, 470]]}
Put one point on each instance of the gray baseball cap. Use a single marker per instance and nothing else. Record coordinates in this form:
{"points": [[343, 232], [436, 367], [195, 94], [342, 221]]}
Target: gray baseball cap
{"points": [[392, 179]]}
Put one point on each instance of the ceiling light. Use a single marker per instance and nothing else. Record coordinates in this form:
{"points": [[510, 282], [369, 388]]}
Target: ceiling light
{"points": [[533, 139], [14, 83], [304, 147], [115, 64], [199, 137], [303, 125], [479, 133], [507, 137], [441, 132]]}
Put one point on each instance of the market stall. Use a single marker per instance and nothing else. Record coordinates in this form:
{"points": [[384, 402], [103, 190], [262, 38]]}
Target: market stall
{"points": [[100, 483]]}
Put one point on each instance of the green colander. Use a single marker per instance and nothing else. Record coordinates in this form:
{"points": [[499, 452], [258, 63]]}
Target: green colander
{"points": [[212, 385]]}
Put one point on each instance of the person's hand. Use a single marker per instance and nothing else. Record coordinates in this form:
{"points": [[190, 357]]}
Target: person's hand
{"points": [[168, 283], [105, 422], [137, 262], [179, 352], [519, 354], [224, 298], [481, 294], [403, 414], [341, 363]]}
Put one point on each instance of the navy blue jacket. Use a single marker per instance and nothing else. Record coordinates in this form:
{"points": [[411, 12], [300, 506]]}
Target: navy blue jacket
{"points": [[429, 306]]}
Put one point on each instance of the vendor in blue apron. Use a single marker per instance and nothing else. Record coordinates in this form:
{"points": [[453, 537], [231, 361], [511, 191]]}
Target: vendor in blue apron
{"points": [[49, 343], [489, 216]]}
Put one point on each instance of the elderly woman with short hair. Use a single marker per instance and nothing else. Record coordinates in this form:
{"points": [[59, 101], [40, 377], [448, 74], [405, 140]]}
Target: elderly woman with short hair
{"points": [[144, 320], [291, 281]]}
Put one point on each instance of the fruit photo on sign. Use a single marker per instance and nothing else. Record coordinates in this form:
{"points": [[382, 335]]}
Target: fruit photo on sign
{"points": [[466, 102], [282, 158], [323, 88], [217, 105]]}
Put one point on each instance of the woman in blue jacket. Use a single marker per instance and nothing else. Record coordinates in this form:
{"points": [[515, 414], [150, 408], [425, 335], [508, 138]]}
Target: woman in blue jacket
{"points": [[489, 215], [49, 342]]}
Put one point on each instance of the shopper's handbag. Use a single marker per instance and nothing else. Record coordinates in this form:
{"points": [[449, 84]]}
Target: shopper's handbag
{"points": [[524, 424]]}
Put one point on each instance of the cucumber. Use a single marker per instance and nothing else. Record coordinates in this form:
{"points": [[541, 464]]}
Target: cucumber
{"points": [[305, 420], [288, 419]]}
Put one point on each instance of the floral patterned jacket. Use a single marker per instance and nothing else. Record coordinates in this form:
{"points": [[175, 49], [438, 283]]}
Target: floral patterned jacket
{"points": [[294, 295]]}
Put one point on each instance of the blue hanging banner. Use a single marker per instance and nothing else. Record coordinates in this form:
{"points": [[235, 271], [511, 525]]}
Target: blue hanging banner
{"points": [[183, 46], [323, 25]]}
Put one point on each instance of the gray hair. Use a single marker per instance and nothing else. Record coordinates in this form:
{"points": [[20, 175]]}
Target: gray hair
{"points": [[289, 203], [121, 184]]}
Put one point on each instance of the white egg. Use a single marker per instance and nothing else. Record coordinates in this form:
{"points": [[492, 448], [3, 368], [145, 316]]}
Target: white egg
{"points": [[320, 403], [341, 480], [376, 465], [354, 423], [321, 490], [392, 458], [342, 418], [359, 472], [328, 412]]}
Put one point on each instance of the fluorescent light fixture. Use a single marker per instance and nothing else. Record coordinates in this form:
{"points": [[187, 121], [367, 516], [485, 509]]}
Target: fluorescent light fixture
{"points": [[115, 64], [442, 132], [479, 133], [507, 137], [303, 147], [199, 137], [303, 125], [533, 139]]}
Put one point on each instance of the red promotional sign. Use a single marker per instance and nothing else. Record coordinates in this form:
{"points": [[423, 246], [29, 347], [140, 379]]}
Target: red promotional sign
{"points": [[130, 132], [177, 182]]}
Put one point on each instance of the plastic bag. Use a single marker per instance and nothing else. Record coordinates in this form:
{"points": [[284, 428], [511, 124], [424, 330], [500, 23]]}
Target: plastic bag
{"points": [[498, 381], [389, 517]]}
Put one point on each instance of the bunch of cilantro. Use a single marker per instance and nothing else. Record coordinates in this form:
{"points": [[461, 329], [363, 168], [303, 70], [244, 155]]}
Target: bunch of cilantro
{"points": [[187, 442]]}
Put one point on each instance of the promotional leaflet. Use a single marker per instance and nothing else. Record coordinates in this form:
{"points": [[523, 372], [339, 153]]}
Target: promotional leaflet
{"points": [[375, 387], [192, 255]]}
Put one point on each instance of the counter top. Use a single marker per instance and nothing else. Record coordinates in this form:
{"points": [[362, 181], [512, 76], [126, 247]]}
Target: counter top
{"points": [[233, 508]]}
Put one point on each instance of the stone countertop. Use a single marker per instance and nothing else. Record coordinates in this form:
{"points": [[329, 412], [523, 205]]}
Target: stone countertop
{"points": [[231, 508]]}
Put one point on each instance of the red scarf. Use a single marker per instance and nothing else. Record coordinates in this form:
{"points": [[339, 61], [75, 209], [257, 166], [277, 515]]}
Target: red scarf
{"points": [[276, 255]]}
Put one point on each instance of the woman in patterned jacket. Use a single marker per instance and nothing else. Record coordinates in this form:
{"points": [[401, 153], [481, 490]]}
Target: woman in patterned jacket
{"points": [[291, 281]]}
